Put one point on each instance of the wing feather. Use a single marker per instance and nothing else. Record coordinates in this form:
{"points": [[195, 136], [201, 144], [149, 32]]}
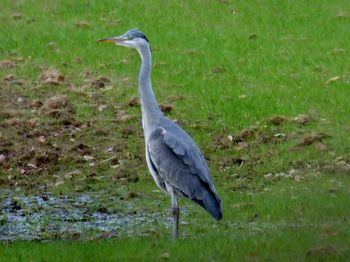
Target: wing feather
{"points": [[180, 164], [190, 154]]}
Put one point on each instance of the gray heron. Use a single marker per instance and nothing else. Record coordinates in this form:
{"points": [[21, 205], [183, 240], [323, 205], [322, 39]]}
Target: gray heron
{"points": [[173, 158]]}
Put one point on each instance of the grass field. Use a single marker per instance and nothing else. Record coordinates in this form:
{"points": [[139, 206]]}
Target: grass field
{"points": [[262, 86]]}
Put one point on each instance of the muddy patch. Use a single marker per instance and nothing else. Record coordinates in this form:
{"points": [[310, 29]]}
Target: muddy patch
{"points": [[340, 165], [51, 75], [42, 138], [312, 138], [100, 82], [45, 216], [7, 64], [274, 130], [58, 106]]}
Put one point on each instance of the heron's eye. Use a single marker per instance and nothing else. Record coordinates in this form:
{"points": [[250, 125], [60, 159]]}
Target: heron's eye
{"points": [[130, 37]]}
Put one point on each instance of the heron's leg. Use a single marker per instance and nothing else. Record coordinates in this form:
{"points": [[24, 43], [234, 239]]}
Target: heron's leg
{"points": [[176, 214]]}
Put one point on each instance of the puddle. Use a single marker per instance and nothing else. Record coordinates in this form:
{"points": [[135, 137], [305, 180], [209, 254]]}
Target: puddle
{"points": [[47, 217]]}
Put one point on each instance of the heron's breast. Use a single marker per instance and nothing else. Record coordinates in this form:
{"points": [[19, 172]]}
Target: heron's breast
{"points": [[159, 181]]}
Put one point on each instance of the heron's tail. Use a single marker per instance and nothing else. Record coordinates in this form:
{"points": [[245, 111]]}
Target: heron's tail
{"points": [[211, 202]]}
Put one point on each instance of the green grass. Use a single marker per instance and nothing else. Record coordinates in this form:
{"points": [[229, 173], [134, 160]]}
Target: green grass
{"points": [[224, 66], [274, 225], [265, 247]]}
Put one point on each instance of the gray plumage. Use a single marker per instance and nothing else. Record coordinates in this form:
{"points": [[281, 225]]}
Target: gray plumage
{"points": [[177, 161], [173, 158]]}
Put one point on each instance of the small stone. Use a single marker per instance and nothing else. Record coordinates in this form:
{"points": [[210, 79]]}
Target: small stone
{"points": [[41, 140], [332, 80], [281, 174], [298, 178], [268, 176], [102, 108], [31, 165], [280, 135], [165, 256], [2, 158], [88, 158], [109, 150], [292, 172]]}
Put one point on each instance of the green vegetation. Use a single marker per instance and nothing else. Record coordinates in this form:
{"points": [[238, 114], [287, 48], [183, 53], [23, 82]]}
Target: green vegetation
{"points": [[262, 86]]}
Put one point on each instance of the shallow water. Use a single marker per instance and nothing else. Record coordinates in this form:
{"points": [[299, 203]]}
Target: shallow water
{"points": [[71, 216]]}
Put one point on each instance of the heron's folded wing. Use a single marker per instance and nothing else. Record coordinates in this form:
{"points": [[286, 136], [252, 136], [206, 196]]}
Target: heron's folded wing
{"points": [[179, 152]]}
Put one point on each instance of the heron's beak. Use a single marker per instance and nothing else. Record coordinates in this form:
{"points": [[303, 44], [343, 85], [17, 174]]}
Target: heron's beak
{"points": [[112, 40]]}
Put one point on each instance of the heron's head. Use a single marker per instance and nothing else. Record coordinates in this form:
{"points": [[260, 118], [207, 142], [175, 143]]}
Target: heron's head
{"points": [[132, 38]]}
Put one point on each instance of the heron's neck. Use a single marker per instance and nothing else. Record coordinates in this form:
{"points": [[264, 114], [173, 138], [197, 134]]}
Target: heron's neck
{"points": [[150, 110]]}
